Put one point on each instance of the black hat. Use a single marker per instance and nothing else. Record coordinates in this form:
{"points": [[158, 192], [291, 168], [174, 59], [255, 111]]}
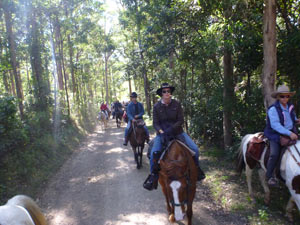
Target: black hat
{"points": [[164, 85], [133, 95]]}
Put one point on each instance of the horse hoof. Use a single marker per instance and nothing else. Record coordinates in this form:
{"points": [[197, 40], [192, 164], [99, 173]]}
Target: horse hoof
{"points": [[138, 166], [172, 218]]}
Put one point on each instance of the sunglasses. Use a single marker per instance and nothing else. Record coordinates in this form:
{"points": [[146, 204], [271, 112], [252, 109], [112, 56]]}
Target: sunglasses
{"points": [[164, 92], [284, 96]]}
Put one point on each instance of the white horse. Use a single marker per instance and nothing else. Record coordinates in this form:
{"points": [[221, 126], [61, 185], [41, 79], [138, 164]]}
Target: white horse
{"points": [[21, 210], [289, 171], [102, 117]]}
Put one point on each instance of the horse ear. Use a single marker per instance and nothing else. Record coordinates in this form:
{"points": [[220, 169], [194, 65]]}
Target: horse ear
{"points": [[296, 184]]}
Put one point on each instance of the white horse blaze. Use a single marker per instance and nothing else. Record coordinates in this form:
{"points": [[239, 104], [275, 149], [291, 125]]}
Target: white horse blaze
{"points": [[175, 185]]}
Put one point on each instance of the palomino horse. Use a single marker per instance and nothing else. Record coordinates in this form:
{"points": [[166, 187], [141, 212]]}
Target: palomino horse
{"points": [[137, 139], [103, 119], [289, 171], [178, 177], [119, 115], [21, 210]]}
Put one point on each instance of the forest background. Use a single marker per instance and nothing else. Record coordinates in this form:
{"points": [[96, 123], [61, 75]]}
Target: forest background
{"points": [[60, 59]]}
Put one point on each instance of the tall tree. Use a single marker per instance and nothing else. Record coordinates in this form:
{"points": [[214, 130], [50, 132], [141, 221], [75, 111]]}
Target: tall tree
{"points": [[7, 8], [270, 51]]}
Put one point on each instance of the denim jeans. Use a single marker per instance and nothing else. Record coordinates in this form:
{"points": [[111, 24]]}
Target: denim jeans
{"points": [[275, 149], [157, 146], [128, 126]]}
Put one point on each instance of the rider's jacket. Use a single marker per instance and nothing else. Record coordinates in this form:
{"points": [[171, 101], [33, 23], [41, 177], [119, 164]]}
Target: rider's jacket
{"points": [[272, 134], [135, 109], [166, 116], [103, 107], [118, 107]]}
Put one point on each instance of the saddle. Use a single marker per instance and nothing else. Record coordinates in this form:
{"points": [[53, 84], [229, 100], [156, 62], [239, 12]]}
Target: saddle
{"points": [[256, 146]]}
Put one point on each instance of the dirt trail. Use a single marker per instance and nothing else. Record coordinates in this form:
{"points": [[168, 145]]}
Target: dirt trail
{"points": [[100, 185]]}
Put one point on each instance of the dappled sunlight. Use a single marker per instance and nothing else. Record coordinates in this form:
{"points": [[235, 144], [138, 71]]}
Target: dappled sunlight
{"points": [[101, 177], [109, 143], [123, 165], [140, 219], [61, 217], [115, 150]]}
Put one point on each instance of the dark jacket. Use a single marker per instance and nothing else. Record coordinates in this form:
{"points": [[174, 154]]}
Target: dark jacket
{"points": [[273, 134], [168, 116]]}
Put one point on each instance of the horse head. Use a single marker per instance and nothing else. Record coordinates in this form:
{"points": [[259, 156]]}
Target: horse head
{"points": [[139, 132], [179, 177]]}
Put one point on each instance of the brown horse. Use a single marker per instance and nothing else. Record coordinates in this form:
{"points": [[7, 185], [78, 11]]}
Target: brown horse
{"points": [[137, 139], [178, 177]]}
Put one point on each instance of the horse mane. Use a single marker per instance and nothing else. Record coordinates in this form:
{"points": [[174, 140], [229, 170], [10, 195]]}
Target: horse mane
{"points": [[32, 208], [175, 164]]}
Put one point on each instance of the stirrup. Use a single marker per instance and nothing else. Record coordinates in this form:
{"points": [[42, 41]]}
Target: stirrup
{"points": [[151, 182]]}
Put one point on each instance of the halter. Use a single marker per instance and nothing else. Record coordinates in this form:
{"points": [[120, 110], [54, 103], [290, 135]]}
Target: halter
{"points": [[187, 177], [293, 156]]}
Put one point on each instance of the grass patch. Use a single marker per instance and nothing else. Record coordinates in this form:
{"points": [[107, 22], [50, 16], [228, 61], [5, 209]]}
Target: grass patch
{"points": [[230, 190]]}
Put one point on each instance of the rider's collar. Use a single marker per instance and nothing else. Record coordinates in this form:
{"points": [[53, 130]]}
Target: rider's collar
{"points": [[162, 101]]}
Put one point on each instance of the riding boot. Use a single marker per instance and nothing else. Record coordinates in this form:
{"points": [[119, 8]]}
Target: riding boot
{"points": [[152, 180], [125, 141], [200, 173]]}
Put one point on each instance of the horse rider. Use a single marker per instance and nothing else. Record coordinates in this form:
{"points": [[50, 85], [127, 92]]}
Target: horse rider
{"points": [[134, 111], [112, 107], [281, 120], [104, 109], [167, 121], [117, 106]]}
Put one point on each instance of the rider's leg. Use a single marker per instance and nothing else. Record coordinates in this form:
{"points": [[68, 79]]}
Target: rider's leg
{"points": [[191, 144], [147, 134], [126, 133], [275, 149], [152, 180]]}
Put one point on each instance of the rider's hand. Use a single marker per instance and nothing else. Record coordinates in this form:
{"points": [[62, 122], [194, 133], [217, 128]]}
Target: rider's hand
{"points": [[293, 136], [133, 120]]}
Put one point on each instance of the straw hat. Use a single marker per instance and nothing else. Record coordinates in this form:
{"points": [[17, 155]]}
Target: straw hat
{"points": [[282, 89]]}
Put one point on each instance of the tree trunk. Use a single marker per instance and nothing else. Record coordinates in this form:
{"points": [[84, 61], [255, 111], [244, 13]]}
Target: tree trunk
{"points": [[270, 51], [13, 58], [228, 91], [106, 57]]}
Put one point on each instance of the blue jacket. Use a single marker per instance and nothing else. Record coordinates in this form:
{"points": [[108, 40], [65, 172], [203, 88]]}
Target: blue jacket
{"points": [[270, 133], [130, 111]]}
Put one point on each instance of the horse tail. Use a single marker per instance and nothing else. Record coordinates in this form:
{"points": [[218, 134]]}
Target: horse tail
{"points": [[32, 208], [240, 158]]}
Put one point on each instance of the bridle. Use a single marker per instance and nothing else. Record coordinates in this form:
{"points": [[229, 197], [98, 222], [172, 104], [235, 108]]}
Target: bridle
{"points": [[186, 175]]}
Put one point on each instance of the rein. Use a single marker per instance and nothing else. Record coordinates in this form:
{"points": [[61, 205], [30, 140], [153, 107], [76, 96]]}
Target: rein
{"points": [[298, 163]]}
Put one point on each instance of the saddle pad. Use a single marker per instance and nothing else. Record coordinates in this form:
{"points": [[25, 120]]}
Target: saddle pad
{"points": [[256, 147], [164, 152]]}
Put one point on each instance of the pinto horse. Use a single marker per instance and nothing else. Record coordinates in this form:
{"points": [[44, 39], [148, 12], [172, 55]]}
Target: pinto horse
{"points": [[119, 115], [21, 210], [289, 171], [178, 177], [137, 139]]}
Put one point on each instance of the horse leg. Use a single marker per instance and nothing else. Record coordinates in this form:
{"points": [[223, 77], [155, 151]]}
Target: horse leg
{"points": [[135, 154], [289, 209], [262, 177], [249, 176], [169, 208]]}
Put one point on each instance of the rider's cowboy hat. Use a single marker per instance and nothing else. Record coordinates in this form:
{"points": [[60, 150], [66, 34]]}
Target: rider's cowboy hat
{"points": [[133, 95], [164, 85], [282, 89]]}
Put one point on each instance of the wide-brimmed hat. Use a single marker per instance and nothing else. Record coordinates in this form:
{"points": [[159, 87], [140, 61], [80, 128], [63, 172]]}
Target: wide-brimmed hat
{"points": [[282, 89], [133, 95], [164, 85]]}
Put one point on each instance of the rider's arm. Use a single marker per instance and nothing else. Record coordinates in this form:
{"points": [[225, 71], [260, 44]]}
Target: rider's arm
{"points": [[140, 115], [156, 125], [180, 119], [129, 113], [275, 122]]}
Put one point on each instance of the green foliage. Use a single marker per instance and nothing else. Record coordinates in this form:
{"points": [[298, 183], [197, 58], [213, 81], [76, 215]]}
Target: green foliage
{"points": [[12, 133]]}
